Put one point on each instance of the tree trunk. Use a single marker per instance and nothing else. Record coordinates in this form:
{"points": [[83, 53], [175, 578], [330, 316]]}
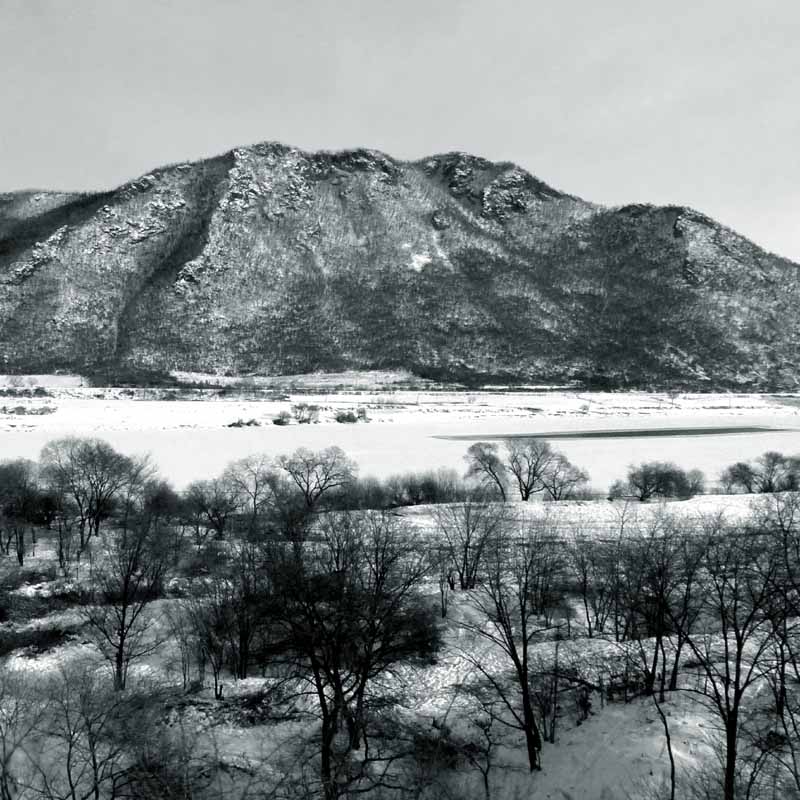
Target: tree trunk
{"points": [[731, 726], [329, 726], [20, 537], [533, 740], [669, 749], [673, 678], [119, 670], [244, 655], [662, 684]]}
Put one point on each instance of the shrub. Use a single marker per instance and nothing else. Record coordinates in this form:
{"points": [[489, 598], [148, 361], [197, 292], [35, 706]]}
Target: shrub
{"points": [[35, 640], [658, 479], [284, 418], [240, 423], [346, 416], [305, 413]]}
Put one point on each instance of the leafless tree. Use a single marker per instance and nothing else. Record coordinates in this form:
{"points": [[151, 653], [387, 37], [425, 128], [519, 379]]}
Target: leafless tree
{"points": [[243, 591], [253, 481], [595, 574], [508, 620], [779, 517], [183, 632], [83, 757], [212, 503], [529, 460], [562, 480], [315, 473], [769, 473], [93, 476], [548, 571], [210, 621], [21, 709], [734, 635], [127, 579], [484, 463], [466, 529], [347, 613], [66, 523], [305, 413], [19, 498], [658, 479], [741, 474], [442, 563]]}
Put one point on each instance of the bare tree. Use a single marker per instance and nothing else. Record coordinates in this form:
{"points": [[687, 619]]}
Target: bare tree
{"points": [[19, 500], [315, 473], [528, 462], [769, 473], [509, 622], [484, 463], [776, 472], [253, 481], [595, 574], [741, 474], [562, 480], [127, 580], [658, 479], [779, 516], [243, 591], [21, 709], [440, 559], [548, 568], [93, 476], [305, 413], [83, 757], [66, 524], [210, 620], [732, 641], [183, 632], [466, 529], [347, 613], [212, 503]]}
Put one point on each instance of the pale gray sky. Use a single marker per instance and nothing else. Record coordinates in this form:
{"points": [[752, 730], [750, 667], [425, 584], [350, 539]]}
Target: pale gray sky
{"points": [[694, 102]]}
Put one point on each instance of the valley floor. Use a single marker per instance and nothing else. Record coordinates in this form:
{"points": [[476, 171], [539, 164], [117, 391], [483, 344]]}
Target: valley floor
{"points": [[408, 430]]}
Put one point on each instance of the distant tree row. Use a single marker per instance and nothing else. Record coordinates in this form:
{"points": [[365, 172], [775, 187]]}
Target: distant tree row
{"points": [[528, 466], [769, 473]]}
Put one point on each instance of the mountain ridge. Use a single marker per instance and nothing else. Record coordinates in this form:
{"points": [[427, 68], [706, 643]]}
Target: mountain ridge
{"points": [[273, 260]]}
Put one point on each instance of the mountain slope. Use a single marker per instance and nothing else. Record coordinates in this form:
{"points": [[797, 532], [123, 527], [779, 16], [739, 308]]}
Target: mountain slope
{"points": [[272, 260]]}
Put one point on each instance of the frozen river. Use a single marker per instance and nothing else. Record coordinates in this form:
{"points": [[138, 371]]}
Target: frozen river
{"points": [[601, 433]]}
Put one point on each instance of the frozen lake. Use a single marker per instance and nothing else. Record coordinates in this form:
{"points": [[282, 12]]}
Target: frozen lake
{"points": [[601, 433]]}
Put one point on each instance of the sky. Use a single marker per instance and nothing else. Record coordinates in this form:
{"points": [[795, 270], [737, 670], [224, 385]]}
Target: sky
{"points": [[693, 102]]}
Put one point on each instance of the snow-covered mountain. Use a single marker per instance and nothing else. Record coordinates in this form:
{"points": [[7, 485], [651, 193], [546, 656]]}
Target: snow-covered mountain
{"points": [[272, 260]]}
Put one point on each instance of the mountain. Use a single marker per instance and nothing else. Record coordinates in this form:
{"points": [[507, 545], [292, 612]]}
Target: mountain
{"points": [[271, 260]]}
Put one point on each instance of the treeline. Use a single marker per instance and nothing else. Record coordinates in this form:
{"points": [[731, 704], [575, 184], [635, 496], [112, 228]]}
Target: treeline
{"points": [[79, 483]]}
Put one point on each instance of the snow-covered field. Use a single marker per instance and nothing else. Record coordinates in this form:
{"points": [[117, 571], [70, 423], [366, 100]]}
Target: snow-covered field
{"points": [[613, 754], [409, 430]]}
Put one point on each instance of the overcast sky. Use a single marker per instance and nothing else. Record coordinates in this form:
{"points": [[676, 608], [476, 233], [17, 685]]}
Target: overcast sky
{"points": [[694, 102]]}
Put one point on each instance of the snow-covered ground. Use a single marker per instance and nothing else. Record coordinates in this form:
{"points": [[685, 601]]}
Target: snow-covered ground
{"points": [[618, 750], [410, 430]]}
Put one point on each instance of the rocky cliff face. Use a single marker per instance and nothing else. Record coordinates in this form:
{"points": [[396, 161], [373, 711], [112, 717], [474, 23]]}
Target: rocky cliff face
{"points": [[271, 260]]}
